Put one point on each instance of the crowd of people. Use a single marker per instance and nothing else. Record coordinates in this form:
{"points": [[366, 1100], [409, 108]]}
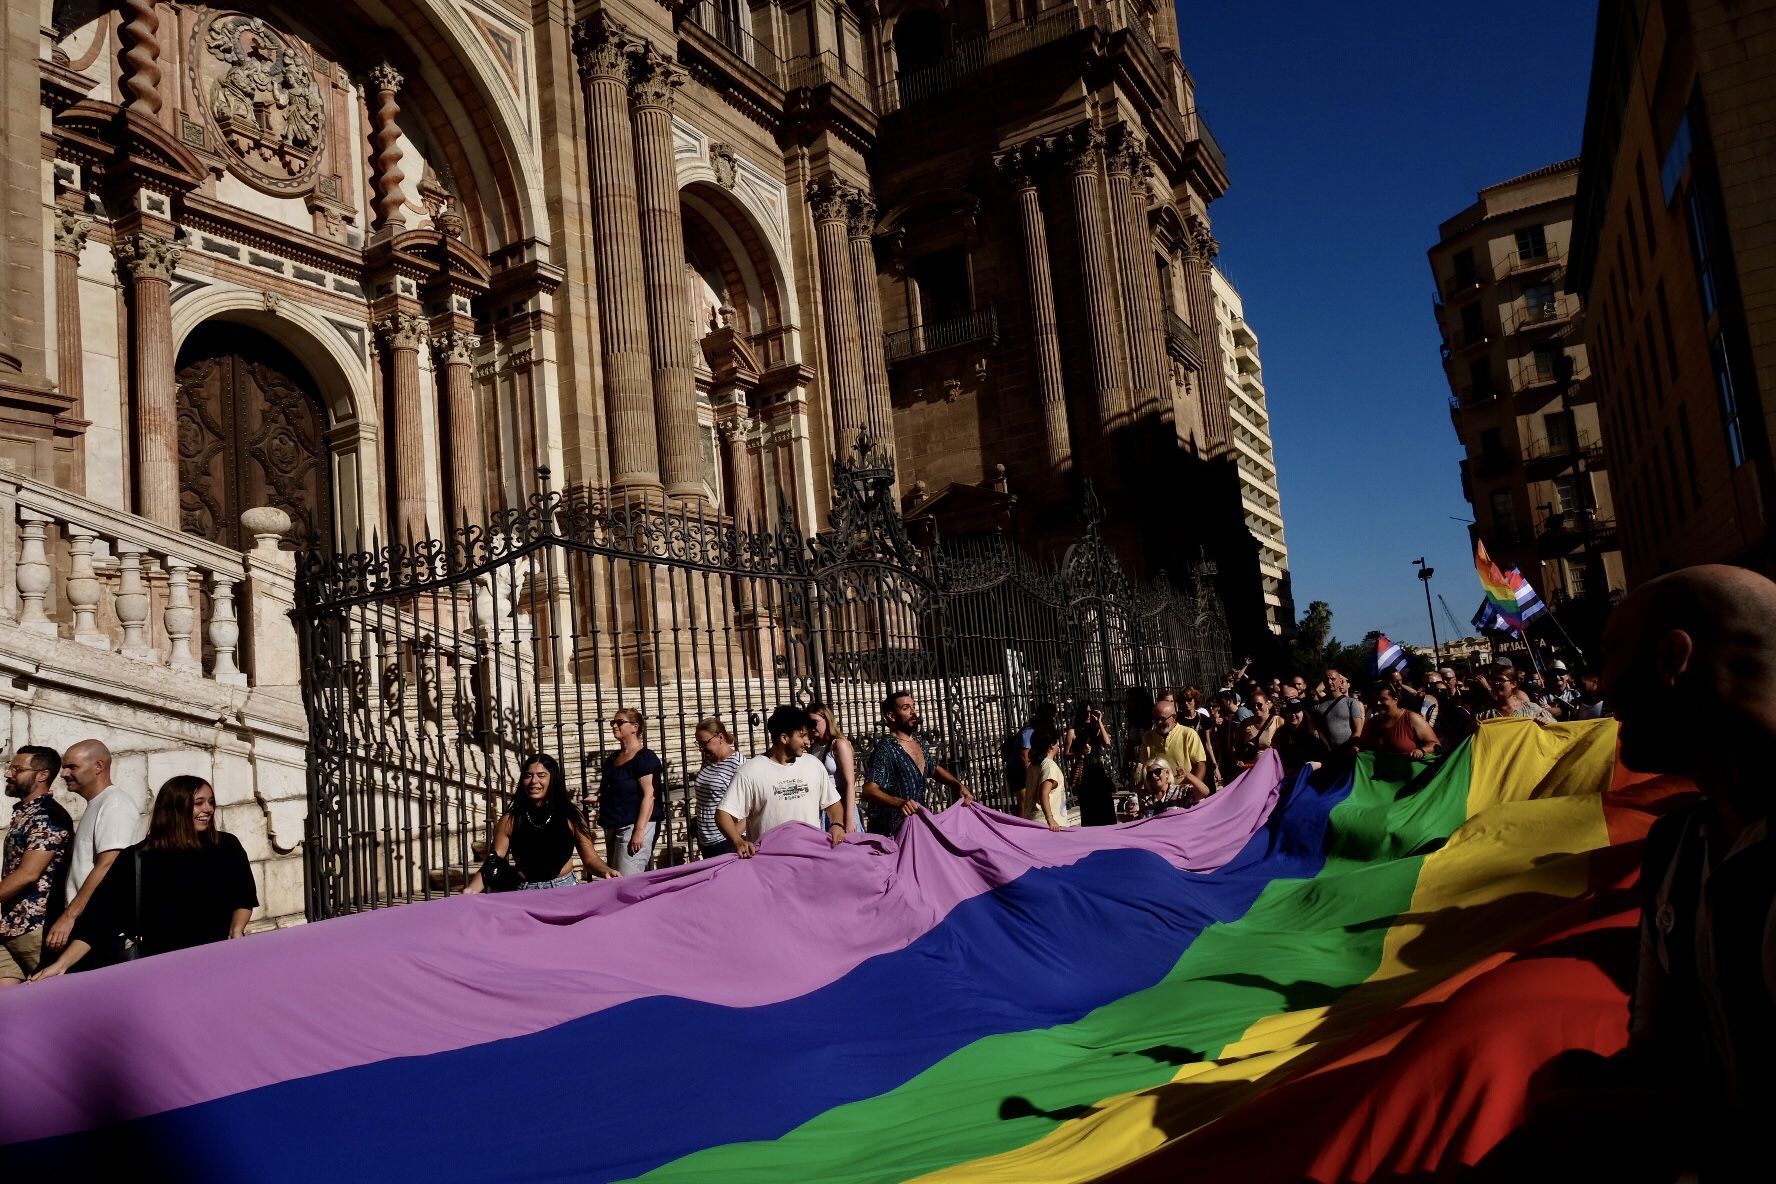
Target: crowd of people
{"points": [[109, 889]]}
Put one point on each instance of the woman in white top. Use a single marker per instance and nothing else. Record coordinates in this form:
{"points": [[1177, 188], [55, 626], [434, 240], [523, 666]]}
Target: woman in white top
{"points": [[1043, 798], [833, 750]]}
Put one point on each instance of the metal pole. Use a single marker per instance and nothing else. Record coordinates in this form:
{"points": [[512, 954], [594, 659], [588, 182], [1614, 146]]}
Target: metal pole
{"points": [[1436, 646]]}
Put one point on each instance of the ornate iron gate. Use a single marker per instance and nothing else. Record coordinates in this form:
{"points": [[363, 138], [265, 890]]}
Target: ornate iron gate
{"points": [[433, 669]]}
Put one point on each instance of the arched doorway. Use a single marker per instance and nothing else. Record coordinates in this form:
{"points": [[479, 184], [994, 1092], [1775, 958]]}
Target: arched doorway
{"points": [[252, 432]]}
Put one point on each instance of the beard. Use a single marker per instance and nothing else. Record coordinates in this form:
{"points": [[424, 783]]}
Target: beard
{"points": [[914, 724]]}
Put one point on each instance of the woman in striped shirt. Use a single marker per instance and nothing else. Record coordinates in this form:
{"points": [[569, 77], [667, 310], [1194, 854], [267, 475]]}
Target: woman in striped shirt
{"points": [[722, 758]]}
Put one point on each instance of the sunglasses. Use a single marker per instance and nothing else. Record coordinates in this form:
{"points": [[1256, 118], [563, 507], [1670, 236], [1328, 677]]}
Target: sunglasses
{"points": [[1156, 772]]}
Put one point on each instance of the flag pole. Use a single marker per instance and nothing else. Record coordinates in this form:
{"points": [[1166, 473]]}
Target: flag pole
{"points": [[1567, 637]]}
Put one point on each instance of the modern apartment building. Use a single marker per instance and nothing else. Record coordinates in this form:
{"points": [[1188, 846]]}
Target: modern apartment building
{"points": [[1254, 454], [1521, 393], [1674, 258]]}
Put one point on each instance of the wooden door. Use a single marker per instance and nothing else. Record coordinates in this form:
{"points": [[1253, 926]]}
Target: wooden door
{"points": [[251, 433]]}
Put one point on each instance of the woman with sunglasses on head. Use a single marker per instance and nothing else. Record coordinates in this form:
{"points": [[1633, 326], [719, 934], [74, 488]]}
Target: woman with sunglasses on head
{"points": [[195, 884], [541, 830], [629, 804]]}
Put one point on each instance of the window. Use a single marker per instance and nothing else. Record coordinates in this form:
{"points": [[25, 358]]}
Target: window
{"points": [[1665, 327], [1689, 453], [1671, 170], [1575, 579], [1700, 244], [1566, 494], [1729, 399], [1492, 444], [1543, 363], [1473, 325], [1652, 346], [1463, 263], [1538, 301], [1646, 205], [1557, 430], [1633, 242], [942, 279], [1480, 379], [1532, 243], [1504, 517]]}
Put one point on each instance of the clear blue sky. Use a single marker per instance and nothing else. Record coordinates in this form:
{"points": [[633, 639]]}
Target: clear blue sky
{"points": [[1351, 131]]}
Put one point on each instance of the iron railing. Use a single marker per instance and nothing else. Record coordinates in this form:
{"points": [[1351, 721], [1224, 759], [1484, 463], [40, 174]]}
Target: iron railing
{"points": [[1181, 340], [980, 325], [971, 57], [430, 670], [739, 40]]}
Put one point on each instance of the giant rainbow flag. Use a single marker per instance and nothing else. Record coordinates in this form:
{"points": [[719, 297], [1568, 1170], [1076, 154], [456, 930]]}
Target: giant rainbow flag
{"points": [[1268, 986]]}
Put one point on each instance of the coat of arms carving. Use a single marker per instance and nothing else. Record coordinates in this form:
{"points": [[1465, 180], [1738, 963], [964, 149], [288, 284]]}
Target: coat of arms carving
{"points": [[259, 92]]}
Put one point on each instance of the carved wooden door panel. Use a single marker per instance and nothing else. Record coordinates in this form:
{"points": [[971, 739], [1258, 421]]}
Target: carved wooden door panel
{"points": [[250, 434]]}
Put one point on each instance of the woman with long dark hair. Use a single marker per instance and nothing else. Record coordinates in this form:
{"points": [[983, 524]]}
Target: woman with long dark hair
{"points": [[541, 830], [1093, 754], [196, 885]]}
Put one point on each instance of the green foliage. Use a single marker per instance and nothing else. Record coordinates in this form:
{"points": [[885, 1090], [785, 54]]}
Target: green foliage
{"points": [[1313, 650]]}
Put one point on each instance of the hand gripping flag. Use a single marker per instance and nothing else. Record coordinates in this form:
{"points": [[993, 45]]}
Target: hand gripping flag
{"points": [[1510, 599], [1388, 655]]}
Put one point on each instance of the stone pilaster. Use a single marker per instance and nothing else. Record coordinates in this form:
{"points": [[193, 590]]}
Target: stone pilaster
{"points": [[453, 357], [831, 201], [400, 336], [1200, 259], [654, 87], [149, 262], [71, 229], [1080, 149], [603, 50], [879, 403], [1019, 166], [1140, 314], [22, 361], [386, 176], [744, 493]]}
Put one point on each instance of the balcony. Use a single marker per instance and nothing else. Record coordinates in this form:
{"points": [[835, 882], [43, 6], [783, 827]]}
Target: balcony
{"points": [[1550, 257], [1569, 448], [1566, 530], [733, 36], [1543, 314], [1198, 133], [1243, 335], [911, 87], [1463, 283], [1491, 464], [979, 325], [823, 69], [1181, 340]]}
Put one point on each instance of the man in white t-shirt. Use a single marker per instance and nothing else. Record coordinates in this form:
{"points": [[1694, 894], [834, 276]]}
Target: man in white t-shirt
{"points": [[111, 823], [783, 785]]}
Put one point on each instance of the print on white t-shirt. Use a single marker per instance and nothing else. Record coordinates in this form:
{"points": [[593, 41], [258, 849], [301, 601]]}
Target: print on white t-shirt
{"points": [[766, 794]]}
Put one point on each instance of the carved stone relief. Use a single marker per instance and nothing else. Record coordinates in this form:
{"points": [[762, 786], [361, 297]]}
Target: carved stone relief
{"points": [[262, 100]]}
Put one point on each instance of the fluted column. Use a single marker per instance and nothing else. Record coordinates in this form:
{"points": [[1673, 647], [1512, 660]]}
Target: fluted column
{"points": [[453, 357], [1019, 165], [745, 501], [878, 402], [385, 161], [654, 87], [1200, 259], [400, 335], [1080, 149], [150, 261], [71, 228], [831, 201], [604, 51], [1140, 316]]}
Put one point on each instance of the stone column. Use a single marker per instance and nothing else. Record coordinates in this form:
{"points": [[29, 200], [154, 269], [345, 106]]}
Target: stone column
{"points": [[400, 335], [603, 51], [385, 162], [1080, 149], [22, 361], [1200, 259], [453, 355], [149, 261], [1018, 165], [745, 503], [654, 87], [831, 201], [71, 229], [1140, 316], [878, 401]]}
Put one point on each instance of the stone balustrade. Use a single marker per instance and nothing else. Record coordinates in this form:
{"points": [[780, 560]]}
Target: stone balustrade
{"points": [[113, 582]]}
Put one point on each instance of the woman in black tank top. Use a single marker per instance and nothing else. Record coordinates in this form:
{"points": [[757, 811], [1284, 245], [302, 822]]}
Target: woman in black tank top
{"points": [[541, 830]]}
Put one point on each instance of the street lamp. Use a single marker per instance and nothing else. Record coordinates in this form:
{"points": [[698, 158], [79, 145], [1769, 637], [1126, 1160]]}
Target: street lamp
{"points": [[1424, 574]]}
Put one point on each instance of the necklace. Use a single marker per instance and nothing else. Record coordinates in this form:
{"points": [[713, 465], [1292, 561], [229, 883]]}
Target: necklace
{"points": [[534, 824]]}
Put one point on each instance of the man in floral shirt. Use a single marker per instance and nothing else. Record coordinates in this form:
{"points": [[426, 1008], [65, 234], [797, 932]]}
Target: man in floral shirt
{"points": [[37, 846]]}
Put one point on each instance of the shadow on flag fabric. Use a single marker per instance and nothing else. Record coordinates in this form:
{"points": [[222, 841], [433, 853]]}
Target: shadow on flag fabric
{"points": [[1388, 656], [1510, 600], [1264, 987]]}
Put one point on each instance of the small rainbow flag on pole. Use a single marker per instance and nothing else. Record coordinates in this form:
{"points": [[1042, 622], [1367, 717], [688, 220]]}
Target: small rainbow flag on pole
{"points": [[1510, 599]]}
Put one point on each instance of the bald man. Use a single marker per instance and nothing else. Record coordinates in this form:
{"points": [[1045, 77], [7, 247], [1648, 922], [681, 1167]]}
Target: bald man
{"points": [[110, 823]]}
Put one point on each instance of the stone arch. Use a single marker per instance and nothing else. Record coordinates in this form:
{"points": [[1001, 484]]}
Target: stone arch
{"points": [[727, 221], [338, 363]]}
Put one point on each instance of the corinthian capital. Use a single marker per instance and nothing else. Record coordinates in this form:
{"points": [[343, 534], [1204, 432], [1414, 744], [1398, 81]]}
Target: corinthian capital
{"points": [[654, 79], [1124, 152], [400, 330], [383, 77], [602, 48], [1079, 148], [454, 348], [1020, 164], [861, 217], [830, 199], [147, 257], [71, 228], [1204, 244]]}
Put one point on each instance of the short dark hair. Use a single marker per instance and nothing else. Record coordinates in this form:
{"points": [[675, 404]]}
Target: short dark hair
{"points": [[1043, 739], [43, 758], [889, 700], [787, 720]]}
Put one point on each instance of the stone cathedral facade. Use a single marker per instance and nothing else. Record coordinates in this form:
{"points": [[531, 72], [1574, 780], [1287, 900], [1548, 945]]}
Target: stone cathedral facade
{"points": [[330, 274]]}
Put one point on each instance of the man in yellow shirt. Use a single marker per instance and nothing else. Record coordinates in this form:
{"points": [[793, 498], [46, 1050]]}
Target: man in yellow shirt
{"points": [[1178, 744]]}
